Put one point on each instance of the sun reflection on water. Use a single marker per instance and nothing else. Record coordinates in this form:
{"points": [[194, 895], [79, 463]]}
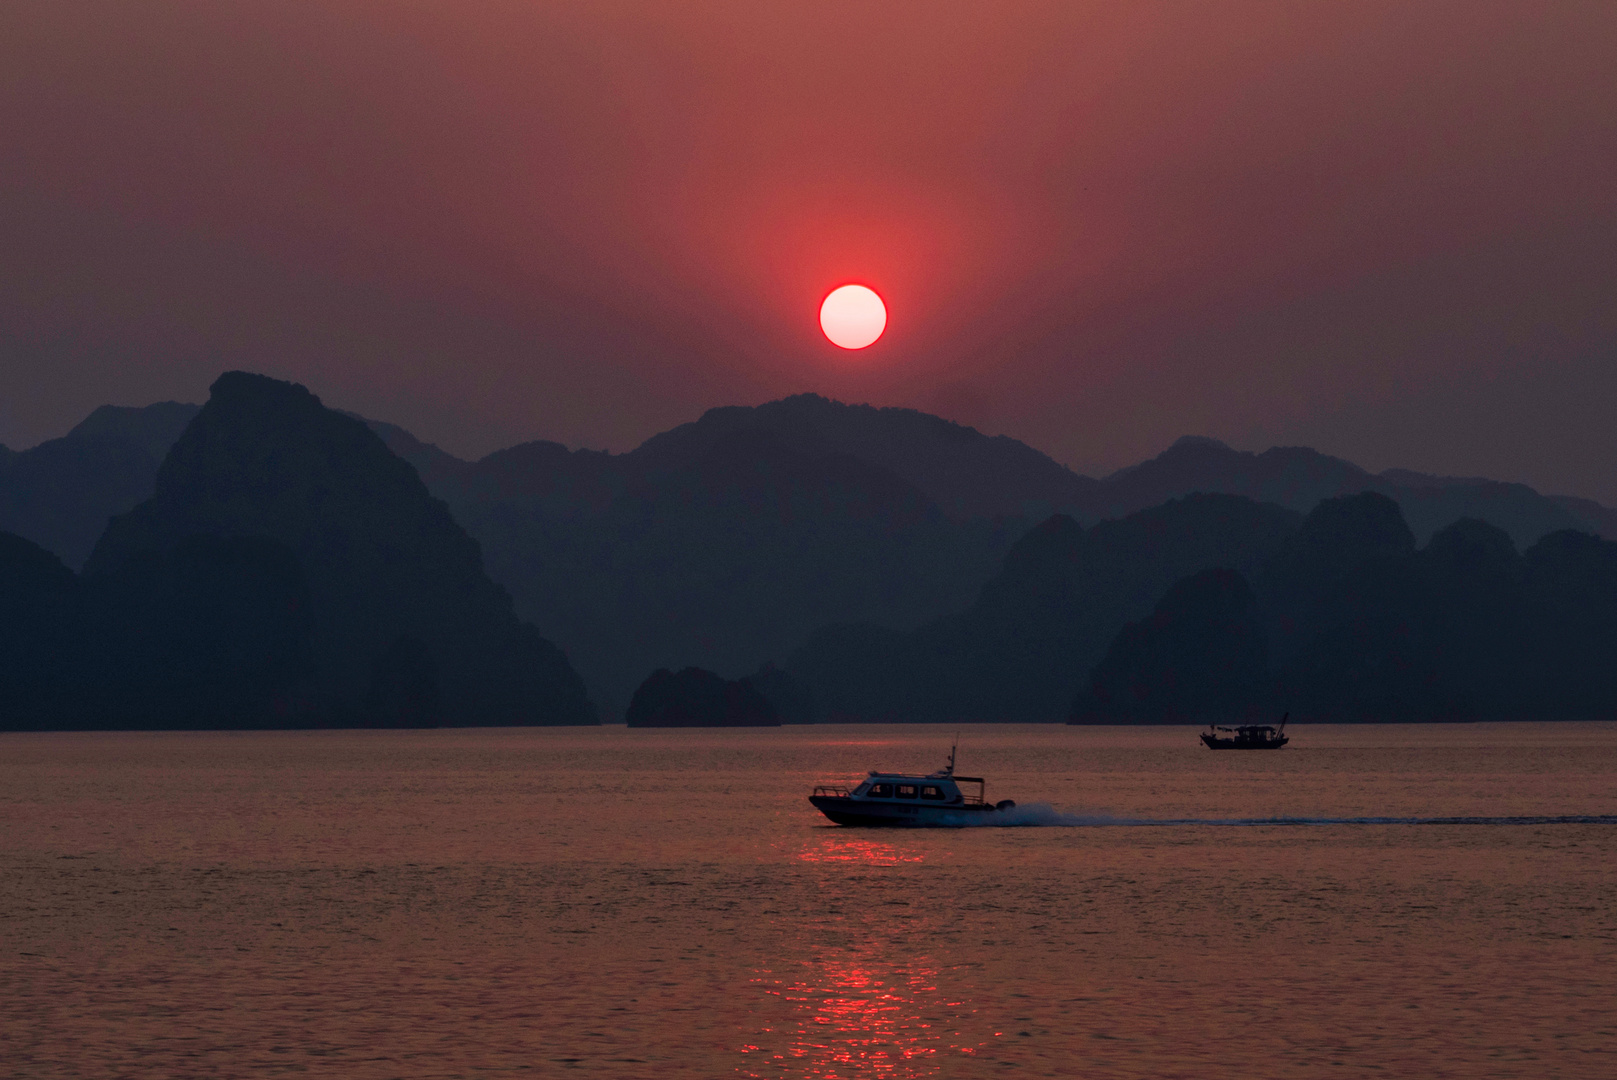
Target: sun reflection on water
{"points": [[866, 1004], [859, 1020], [846, 1018], [840, 848]]}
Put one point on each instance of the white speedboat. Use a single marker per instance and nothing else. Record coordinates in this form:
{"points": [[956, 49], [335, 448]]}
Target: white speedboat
{"points": [[902, 799]]}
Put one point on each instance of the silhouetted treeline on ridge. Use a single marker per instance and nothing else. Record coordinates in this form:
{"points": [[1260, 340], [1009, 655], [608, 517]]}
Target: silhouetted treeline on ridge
{"points": [[286, 569]]}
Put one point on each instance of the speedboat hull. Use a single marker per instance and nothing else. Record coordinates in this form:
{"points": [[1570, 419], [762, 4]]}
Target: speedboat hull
{"points": [[848, 811]]}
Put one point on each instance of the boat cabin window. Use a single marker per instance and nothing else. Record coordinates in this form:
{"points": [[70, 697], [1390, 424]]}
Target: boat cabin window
{"points": [[881, 791], [862, 789], [906, 791], [931, 791]]}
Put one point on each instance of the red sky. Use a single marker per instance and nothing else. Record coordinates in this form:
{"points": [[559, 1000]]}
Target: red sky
{"points": [[1387, 230]]}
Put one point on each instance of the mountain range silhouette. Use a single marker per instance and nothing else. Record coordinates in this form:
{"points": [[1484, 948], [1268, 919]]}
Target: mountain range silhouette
{"points": [[286, 570], [1349, 621], [867, 563]]}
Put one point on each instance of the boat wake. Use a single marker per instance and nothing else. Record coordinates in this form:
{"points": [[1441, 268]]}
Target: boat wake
{"points": [[1040, 815]]}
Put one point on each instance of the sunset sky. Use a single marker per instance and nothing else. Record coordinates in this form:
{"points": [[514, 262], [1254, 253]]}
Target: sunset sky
{"points": [[1386, 230]]}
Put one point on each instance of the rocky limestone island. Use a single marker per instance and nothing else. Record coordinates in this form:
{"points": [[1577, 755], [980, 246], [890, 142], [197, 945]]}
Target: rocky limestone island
{"points": [[697, 698], [396, 589]]}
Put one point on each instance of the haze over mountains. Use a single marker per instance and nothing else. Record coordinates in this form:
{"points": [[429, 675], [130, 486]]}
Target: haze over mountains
{"points": [[1348, 621], [892, 564], [1298, 478], [287, 570], [60, 493], [1023, 649]]}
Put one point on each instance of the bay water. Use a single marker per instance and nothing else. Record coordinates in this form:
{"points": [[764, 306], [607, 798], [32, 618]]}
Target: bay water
{"points": [[1417, 901]]}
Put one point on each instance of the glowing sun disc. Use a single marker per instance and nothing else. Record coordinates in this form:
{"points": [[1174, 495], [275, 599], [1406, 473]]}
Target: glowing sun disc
{"points": [[853, 316]]}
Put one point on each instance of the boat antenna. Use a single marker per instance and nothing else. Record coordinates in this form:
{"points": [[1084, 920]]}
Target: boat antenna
{"points": [[1283, 720], [950, 770]]}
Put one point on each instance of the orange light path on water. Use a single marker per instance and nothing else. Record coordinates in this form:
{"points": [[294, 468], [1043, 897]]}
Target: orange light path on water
{"points": [[862, 1007]]}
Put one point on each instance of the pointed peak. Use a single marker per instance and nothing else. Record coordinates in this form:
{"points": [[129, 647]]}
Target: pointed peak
{"points": [[245, 389]]}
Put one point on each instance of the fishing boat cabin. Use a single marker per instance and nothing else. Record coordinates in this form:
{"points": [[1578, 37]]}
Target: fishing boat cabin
{"points": [[1246, 736]]}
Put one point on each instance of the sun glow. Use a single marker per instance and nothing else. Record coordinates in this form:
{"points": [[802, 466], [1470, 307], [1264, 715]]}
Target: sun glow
{"points": [[853, 316]]}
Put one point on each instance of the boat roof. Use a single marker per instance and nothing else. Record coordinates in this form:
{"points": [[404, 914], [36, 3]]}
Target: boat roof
{"points": [[1243, 727], [929, 776]]}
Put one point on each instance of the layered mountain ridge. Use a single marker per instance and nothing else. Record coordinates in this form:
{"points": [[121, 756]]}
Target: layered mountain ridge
{"points": [[278, 527], [60, 494], [1350, 621], [745, 536], [1299, 478]]}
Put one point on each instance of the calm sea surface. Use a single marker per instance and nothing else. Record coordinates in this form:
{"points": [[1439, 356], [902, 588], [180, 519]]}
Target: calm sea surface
{"points": [[667, 904]]}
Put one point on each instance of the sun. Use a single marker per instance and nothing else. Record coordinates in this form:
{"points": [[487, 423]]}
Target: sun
{"points": [[853, 316]]}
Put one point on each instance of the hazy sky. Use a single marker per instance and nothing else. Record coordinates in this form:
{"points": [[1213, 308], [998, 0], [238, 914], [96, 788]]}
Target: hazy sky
{"points": [[1387, 230]]}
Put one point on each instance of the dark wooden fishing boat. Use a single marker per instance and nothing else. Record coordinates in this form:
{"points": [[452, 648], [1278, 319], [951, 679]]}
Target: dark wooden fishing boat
{"points": [[1246, 736]]}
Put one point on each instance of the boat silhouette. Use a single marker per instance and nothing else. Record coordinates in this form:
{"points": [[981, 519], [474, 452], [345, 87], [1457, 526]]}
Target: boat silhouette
{"points": [[1246, 736], [904, 799]]}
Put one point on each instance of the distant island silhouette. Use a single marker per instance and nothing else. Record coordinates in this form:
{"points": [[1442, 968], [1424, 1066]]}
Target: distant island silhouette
{"points": [[272, 562], [697, 698]]}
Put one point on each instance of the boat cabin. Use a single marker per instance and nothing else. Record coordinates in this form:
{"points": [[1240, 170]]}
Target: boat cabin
{"points": [[884, 798], [942, 789], [1246, 736]]}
